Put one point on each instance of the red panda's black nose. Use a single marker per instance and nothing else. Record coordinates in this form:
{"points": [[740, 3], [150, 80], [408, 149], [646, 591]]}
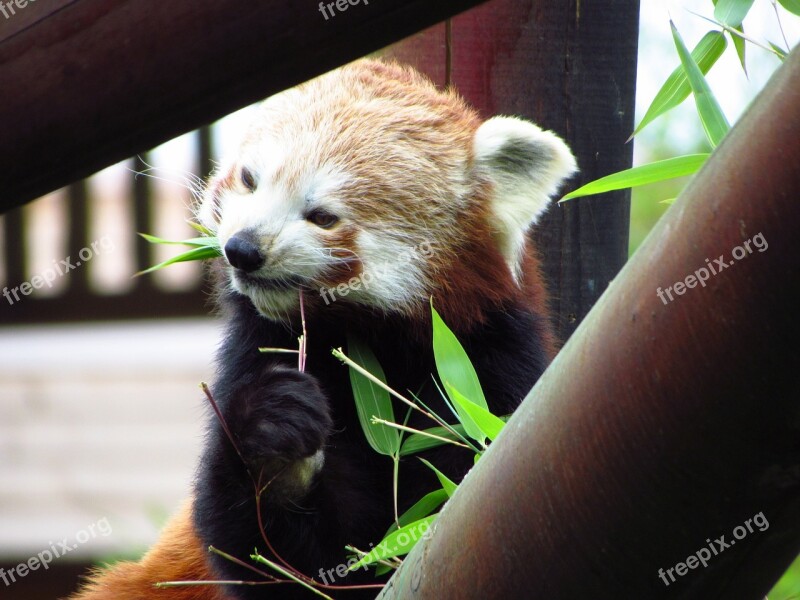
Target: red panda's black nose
{"points": [[243, 253]]}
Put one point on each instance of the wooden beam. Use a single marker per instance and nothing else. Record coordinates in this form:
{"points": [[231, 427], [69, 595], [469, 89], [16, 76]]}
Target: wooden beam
{"points": [[664, 429], [427, 51], [87, 84], [570, 67]]}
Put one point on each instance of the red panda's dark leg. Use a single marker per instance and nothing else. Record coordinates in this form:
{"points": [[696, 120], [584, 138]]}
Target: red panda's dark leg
{"points": [[280, 421]]}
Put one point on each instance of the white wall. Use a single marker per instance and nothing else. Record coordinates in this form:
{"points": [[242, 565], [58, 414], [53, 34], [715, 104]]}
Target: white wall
{"points": [[100, 421]]}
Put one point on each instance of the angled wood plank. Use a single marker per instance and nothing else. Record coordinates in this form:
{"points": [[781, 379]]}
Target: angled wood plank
{"points": [[571, 68], [427, 51], [100, 80]]}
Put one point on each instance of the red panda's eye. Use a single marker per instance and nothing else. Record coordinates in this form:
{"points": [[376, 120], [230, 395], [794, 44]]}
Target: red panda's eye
{"points": [[321, 218], [248, 179]]}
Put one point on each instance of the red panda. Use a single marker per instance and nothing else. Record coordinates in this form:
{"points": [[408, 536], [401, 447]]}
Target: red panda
{"points": [[371, 191]]}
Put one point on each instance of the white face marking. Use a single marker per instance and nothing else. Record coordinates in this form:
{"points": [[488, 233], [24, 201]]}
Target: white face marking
{"points": [[324, 186], [391, 272], [297, 252]]}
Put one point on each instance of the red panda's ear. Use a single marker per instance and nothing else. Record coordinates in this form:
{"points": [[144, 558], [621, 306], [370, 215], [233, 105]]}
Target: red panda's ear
{"points": [[526, 166]]}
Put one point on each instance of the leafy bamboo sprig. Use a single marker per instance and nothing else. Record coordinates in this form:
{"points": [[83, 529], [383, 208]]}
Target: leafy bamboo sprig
{"points": [[689, 79], [460, 390], [204, 247]]}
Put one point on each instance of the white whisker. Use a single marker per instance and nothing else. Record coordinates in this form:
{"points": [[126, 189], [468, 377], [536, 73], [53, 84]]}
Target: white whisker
{"points": [[185, 179]]}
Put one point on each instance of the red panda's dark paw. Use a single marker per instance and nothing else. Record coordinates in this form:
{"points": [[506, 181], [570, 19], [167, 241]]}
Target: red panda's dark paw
{"points": [[281, 417]]}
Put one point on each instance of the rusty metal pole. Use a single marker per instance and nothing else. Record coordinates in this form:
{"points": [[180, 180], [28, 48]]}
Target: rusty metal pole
{"points": [[664, 428]]}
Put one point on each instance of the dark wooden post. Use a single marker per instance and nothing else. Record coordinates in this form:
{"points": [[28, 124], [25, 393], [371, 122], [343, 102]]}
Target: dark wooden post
{"points": [[570, 67]]}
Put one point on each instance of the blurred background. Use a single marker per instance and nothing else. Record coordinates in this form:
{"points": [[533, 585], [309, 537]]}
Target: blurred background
{"points": [[101, 419]]}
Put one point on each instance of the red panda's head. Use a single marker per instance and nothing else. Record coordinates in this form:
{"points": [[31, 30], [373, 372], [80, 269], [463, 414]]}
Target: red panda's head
{"points": [[370, 187]]}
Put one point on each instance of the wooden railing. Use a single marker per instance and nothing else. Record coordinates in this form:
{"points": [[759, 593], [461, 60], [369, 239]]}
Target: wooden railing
{"points": [[64, 288]]}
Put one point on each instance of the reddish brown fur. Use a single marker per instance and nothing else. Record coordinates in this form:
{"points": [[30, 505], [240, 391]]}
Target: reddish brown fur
{"points": [[534, 291], [340, 240], [177, 556]]}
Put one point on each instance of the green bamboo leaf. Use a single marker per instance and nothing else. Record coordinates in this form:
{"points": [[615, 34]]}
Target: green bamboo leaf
{"points": [[452, 362], [201, 229], [397, 543], [778, 50], [654, 172], [489, 424], [739, 43], [793, 6], [447, 484], [204, 253], [417, 443], [676, 88], [741, 47], [713, 119], [453, 365], [372, 400], [427, 505], [200, 242], [471, 428], [732, 12]]}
